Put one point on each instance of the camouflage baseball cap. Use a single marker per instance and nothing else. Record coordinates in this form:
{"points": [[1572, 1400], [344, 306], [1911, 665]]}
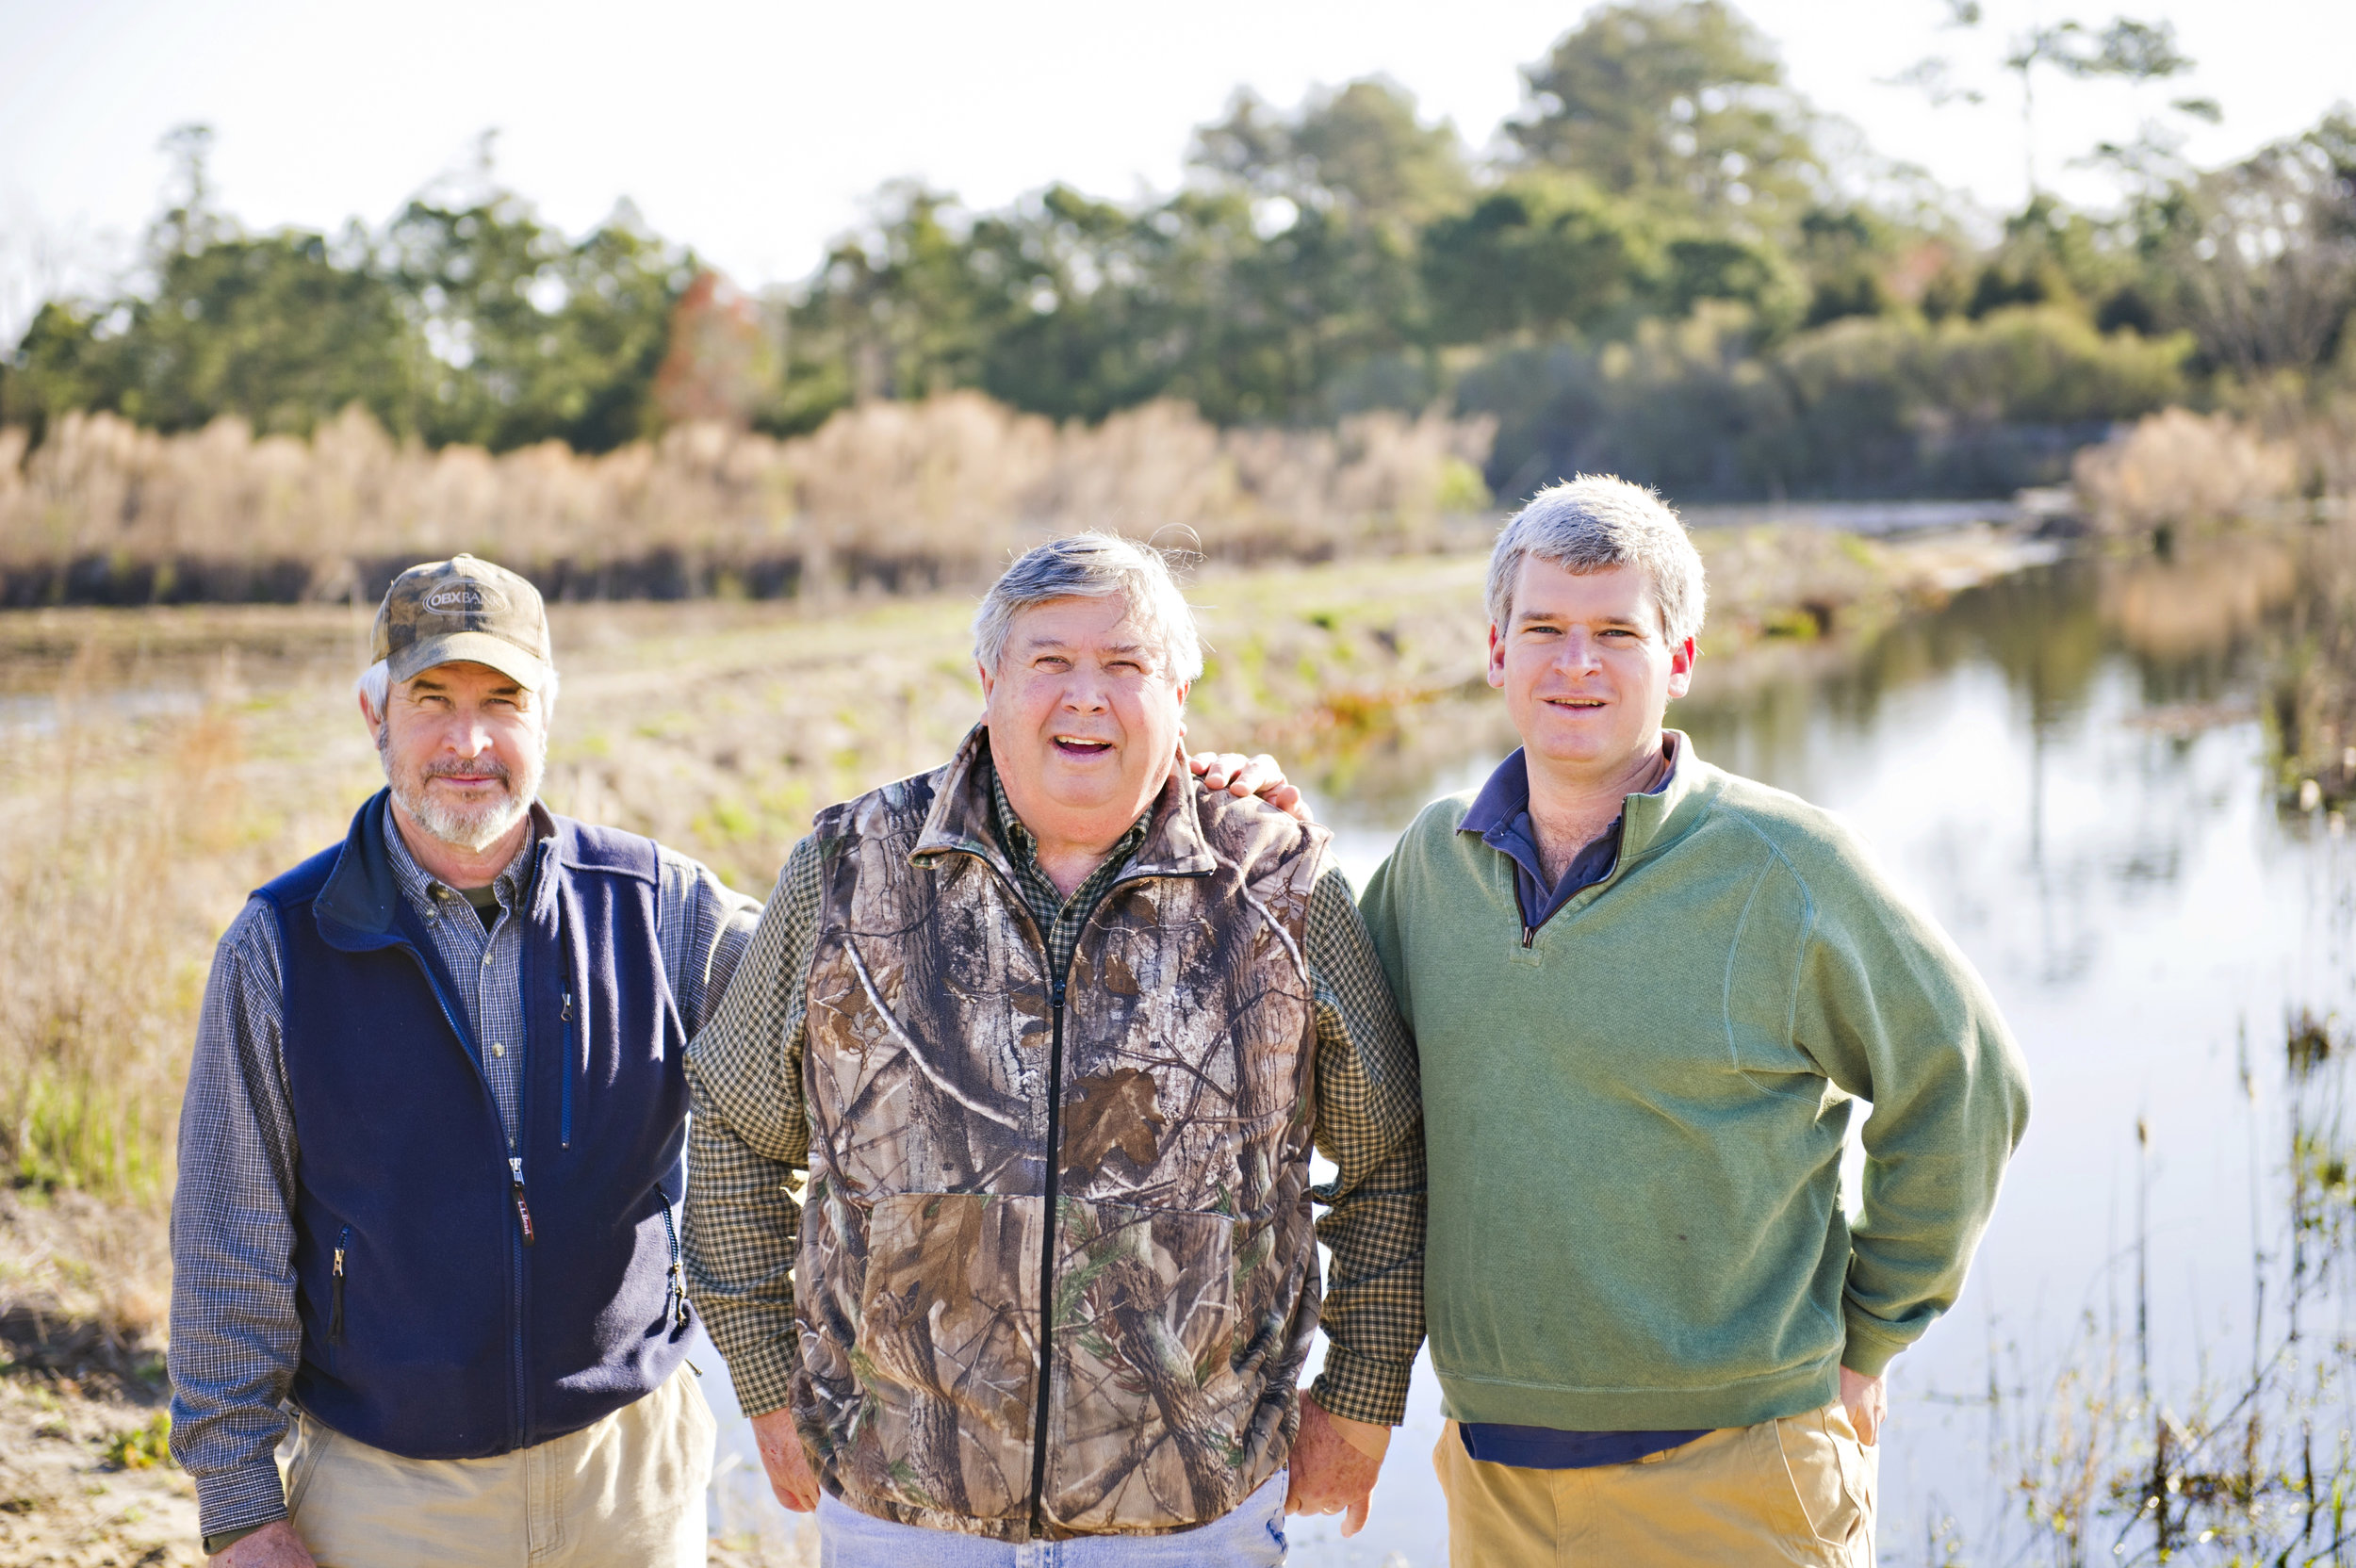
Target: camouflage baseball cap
{"points": [[463, 609]]}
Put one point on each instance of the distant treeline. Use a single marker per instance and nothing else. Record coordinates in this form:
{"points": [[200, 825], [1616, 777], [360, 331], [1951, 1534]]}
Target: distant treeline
{"points": [[1674, 268]]}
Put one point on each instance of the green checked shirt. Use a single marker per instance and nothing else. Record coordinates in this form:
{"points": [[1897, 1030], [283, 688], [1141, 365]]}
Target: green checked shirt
{"points": [[743, 1218]]}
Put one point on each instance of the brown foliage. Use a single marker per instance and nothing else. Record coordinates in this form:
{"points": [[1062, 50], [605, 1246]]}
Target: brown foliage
{"points": [[2178, 469], [929, 493]]}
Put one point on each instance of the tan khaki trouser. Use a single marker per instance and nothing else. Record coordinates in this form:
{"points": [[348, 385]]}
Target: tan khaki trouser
{"points": [[624, 1492], [1799, 1490]]}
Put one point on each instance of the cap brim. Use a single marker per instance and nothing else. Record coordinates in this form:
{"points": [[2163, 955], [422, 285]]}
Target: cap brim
{"points": [[471, 647]]}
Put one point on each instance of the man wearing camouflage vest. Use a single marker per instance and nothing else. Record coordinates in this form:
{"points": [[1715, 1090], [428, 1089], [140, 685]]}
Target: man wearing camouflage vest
{"points": [[1052, 1030]]}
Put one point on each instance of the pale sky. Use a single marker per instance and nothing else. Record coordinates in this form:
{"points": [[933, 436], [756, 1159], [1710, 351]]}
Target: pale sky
{"points": [[756, 132]]}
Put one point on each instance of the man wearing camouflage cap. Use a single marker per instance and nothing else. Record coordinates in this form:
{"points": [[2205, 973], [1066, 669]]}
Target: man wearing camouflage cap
{"points": [[426, 1305]]}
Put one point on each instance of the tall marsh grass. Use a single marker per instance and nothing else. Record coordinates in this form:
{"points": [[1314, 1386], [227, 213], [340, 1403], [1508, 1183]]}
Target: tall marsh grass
{"points": [[904, 495], [2177, 470]]}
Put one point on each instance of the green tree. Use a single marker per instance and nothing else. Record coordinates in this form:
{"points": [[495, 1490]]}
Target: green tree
{"points": [[532, 337], [1680, 105], [284, 329], [2126, 49], [1334, 290], [1360, 149], [2258, 259], [896, 312], [1543, 253]]}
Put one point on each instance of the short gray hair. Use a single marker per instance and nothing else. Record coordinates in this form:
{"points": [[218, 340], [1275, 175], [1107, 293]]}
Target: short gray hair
{"points": [[375, 688], [1093, 565], [1595, 522]]}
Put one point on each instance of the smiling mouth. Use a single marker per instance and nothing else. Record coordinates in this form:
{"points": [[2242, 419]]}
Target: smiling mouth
{"points": [[1574, 702], [1081, 746]]}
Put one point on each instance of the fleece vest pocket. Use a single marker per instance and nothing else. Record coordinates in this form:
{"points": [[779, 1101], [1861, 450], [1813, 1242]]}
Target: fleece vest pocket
{"points": [[339, 1267], [946, 1352], [1150, 1407]]}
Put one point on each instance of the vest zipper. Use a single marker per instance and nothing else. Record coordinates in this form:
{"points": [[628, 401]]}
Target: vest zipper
{"points": [[676, 1287], [336, 1290], [1529, 935], [1055, 1185], [564, 1093], [523, 1210], [1047, 1261], [518, 1390]]}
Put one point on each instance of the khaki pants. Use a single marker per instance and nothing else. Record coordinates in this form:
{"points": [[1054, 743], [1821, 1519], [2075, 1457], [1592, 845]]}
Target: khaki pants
{"points": [[625, 1493], [1798, 1491]]}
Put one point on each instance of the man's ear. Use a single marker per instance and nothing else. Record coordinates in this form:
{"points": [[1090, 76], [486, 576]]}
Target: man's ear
{"points": [[1681, 660], [986, 680], [1497, 658]]}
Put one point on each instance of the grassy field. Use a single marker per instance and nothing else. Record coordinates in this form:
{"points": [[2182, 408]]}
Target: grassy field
{"points": [[162, 762]]}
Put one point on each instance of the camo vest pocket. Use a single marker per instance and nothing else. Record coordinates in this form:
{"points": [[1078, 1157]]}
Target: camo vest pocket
{"points": [[1149, 1417], [946, 1348]]}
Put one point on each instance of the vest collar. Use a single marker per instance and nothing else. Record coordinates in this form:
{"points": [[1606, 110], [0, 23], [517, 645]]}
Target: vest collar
{"points": [[360, 907], [960, 821]]}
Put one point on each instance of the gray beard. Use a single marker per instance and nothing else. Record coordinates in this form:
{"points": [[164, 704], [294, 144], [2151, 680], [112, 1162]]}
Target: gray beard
{"points": [[473, 829]]}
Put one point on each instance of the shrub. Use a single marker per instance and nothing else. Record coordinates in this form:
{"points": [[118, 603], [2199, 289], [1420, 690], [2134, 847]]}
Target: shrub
{"points": [[2181, 469]]}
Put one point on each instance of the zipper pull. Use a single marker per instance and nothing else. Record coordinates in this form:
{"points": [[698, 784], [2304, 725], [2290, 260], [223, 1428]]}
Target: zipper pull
{"points": [[1056, 996], [1529, 935], [335, 1308], [523, 1210], [567, 1014]]}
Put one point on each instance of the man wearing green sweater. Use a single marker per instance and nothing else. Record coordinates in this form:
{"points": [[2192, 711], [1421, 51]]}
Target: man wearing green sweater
{"points": [[1648, 997]]}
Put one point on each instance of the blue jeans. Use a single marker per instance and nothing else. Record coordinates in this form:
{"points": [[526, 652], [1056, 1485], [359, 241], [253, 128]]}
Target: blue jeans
{"points": [[1251, 1535]]}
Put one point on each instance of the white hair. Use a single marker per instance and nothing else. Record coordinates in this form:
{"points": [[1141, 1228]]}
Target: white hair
{"points": [[1595, 522], [375, 688], [1094, 566]]}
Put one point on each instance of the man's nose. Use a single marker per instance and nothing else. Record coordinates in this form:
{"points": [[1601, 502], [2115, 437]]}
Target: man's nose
{"points": [[1581, 651], [470, 735], [1084, 692]]}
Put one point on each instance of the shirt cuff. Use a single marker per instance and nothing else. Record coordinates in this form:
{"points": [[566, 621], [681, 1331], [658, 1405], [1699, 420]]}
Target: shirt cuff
{"points": [[248, 1496], [220, 1541], [763, 1378], [1361, 1388]]}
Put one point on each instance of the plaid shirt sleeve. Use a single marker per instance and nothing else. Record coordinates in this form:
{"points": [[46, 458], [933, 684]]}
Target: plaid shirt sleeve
{"points": [[749, 1139], [703, 926], [235, 1336], [1369, 1124]]}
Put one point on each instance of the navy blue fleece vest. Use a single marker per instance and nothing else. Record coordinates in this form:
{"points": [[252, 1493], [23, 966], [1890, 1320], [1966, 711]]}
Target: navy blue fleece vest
{"points": [[449, 1337]]}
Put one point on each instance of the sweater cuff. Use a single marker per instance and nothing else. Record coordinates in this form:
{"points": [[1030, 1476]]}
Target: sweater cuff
{"points": [[244, 1498], [1868, 1352], [1359, 1388]]}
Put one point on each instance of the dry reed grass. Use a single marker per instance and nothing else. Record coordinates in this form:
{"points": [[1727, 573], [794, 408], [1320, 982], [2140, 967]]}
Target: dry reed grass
{"points": [[919, 493], [2177, 470]]}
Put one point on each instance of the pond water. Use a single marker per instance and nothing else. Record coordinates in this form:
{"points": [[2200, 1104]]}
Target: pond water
{"points": [[2067, 769]]}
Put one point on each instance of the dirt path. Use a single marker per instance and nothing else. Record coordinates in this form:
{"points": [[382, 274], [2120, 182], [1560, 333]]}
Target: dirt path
{"points": [[64, 1501]]}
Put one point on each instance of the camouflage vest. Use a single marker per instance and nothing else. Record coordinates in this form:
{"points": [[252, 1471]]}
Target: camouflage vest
{"points": [[1107, 1172]]}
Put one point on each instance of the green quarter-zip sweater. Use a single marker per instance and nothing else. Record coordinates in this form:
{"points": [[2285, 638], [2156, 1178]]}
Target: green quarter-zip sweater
{"points": [[1635, 1114]]}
